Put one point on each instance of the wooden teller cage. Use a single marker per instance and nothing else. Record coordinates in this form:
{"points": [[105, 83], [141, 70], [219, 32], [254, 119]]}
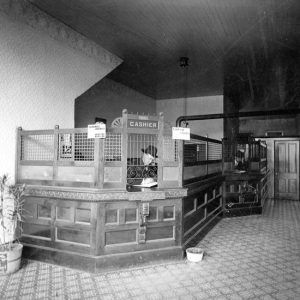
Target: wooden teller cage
{"points": [[246, 175], [133, 194]]}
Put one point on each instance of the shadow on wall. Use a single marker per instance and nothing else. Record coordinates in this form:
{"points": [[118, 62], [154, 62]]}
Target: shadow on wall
{"points": [[106, 99]]}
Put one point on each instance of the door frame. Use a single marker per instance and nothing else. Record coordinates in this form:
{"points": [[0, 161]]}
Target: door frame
{"points": [[285, 139]]}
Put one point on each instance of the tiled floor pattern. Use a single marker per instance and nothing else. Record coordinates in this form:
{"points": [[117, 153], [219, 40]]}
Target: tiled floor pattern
{"points": [[253, 257]]}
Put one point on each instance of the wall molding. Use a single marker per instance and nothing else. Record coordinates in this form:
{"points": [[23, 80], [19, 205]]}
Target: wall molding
{"points": [[103, 195], [25, 12]]}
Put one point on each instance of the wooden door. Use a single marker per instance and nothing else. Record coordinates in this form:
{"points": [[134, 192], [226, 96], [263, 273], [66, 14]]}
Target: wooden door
{"points": [[286, 163]]}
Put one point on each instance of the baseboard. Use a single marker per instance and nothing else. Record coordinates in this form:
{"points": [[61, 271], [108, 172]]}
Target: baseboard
{"points": [[242, 211], [104, 263]]}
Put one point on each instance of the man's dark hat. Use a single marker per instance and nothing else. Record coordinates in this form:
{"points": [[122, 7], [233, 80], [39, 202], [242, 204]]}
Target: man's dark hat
{"points": [[152, 150]]}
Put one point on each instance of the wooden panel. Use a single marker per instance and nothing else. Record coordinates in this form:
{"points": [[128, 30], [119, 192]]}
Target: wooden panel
{"points": [[153, 214], [213, 205], [194, 220], [40, 231], [194, 171], [210, 194], [169, 212], [130, 215], [292, 186], [292, 159], [189, 205], [44, 210], [83, 174], [201, 198], [281, 156], [82, 215], [170, 174], [64, 213], [111, 216], [214, 168], [112, 174], [30, 208], [36, 172], [158, 233], [282, 186], [120, 237], [73, 236]]}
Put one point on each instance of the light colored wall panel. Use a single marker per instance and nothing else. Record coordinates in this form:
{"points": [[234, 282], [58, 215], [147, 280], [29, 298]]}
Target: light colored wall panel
{"points": [[170, 173], [112, 174], [174, 108], [107, 99], [36, 172], [44, 67], [83, 174]]}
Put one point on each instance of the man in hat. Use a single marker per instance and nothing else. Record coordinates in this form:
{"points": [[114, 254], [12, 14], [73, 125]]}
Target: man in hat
{"points": [[149, 155], [149, 160]]}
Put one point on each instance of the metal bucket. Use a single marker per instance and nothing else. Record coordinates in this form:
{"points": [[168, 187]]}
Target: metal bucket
{"points": [[10, 261], [194, 254]]}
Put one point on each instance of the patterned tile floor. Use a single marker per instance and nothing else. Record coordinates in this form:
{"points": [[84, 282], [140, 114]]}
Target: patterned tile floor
{"points": [[253, 257]]}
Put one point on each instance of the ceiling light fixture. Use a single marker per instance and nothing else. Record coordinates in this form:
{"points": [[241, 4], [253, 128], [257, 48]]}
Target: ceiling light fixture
{"points": [[184, 63]]}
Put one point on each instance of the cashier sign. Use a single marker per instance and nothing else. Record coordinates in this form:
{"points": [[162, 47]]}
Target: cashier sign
{"points": [[97, 130], [181, 133]]}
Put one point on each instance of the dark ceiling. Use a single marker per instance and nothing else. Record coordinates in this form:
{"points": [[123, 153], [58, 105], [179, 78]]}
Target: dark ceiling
{"points": [[151, 35]]}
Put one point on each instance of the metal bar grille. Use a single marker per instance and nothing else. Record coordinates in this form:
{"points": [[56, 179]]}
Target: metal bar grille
{"points": [[194, 151], [84, 147], [136, 169], [37, 147], [75, 147], [198, 150], [228, 151], [214, 151], [113, 147]]}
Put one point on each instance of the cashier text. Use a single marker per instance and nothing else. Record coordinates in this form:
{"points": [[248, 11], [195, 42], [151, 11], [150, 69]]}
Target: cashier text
{"points": [[143, 124]]}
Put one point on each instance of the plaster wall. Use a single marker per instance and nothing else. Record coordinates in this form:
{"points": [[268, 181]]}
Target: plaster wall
{"points": [[259, 127], [40, 75], [174, 108], [107, 99]]}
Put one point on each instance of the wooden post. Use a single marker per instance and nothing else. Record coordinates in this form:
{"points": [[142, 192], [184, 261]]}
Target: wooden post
{"points": [[55, 153], [160, 159], [124, 145], [99, 163], [100, 228], [180, 159], [94, 233], [18, 153], [206, 157]]}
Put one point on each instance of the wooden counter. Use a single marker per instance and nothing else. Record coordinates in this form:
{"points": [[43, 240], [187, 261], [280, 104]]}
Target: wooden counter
{"points": [[245, 193], [94, 229], [83, 210]]}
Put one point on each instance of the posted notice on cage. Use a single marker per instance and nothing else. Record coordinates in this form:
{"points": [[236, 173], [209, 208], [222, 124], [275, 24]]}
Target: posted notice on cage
{"points": [[97, 131], [181, 133]]}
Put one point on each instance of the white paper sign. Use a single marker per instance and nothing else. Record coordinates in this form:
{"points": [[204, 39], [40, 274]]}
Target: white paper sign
{"points": [[181, 133], [97, 130]]}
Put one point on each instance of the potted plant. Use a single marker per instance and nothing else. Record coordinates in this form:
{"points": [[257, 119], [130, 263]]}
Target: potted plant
{"points": [[11, 209]]}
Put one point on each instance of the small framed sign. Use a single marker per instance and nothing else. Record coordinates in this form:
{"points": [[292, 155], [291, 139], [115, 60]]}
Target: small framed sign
{"points": [[97, 130], [181, 133]]}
